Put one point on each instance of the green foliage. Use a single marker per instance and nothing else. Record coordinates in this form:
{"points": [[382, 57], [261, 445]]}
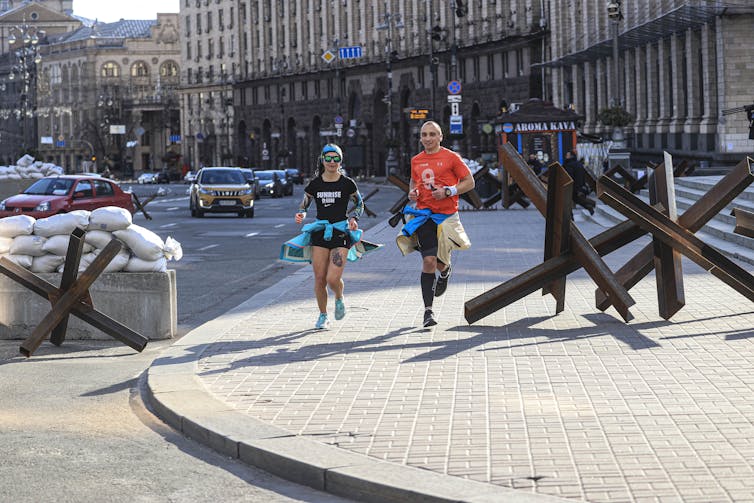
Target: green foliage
{"points": [[615, 117]]}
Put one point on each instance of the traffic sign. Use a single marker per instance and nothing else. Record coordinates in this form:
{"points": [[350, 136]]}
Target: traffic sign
{"points": [[352, 52], [454, 98], [454, 109], [328, 56], [338, 119], [456, 124], [454, 87], [351, 132]]}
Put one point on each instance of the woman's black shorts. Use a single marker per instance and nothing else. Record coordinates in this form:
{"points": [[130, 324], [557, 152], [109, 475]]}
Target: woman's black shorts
{"points": [[339, 240]]}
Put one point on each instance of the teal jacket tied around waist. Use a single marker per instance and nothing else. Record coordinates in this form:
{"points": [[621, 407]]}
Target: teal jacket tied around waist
{"points": [[298, 249]]}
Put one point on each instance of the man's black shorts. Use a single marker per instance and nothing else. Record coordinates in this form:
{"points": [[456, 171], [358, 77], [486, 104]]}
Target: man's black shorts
{"points": [[427, 235], [339, 240]]}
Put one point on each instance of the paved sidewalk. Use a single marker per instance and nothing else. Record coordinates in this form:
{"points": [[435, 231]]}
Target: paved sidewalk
{"points": [[523, 405]]}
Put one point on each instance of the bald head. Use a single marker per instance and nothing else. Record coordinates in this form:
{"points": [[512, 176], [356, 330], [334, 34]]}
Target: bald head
{"points": [[431, 136]]}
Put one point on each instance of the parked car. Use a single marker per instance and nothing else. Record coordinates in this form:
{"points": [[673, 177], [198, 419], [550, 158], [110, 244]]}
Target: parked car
{"points": [[295, 176], [221, 190], [190, 177], [248, 173], [163, 177], [266, 181], [147, 177], [61, 194]]}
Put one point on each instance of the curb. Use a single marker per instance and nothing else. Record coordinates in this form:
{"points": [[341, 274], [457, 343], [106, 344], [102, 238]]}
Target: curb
{"points": [[177, 396]]}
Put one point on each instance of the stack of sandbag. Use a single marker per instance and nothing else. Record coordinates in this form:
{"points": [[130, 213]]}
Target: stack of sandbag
{"points": [[41, 245], [27, 168]]}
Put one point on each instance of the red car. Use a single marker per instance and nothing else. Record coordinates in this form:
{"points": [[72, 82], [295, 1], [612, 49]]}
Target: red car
{"points": [[61, 194]]}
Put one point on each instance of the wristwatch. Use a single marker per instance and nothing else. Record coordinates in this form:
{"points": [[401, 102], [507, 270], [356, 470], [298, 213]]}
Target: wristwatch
{"points": [[448, 192]]}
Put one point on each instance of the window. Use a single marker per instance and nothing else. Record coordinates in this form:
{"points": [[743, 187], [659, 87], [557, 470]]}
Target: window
{"points": [[188, 26], [102, 188], [110, 69], [139, 69], [209, 22], [169, 69], [85, 187]]}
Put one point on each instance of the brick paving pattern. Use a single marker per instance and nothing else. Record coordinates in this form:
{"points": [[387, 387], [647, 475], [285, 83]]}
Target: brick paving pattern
{"points": [[579, 405]]}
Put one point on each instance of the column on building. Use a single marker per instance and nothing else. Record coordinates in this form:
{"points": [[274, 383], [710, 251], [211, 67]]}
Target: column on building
{"points": [[640, 88], [590, 106], [677, 83], [664, 92], [708, 124], [692, 80]]}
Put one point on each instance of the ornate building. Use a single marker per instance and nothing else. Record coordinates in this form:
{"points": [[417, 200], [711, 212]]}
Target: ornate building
{"points": [[88, 95], [680, 65], [294, 90]]}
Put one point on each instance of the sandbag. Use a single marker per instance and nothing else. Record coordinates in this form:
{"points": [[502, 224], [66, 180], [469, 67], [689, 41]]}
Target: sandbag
{"points": [[143, 243], [65, 223], [16, 225], [98, 239], [58, 245], [117, 264], [20, 260], [110, 218], [46, 263], [173, 249], [29, 245], [135, 264], [5, 245]]}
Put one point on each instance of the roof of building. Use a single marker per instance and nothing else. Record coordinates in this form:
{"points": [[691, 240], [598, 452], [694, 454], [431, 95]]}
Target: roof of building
{"points": [[125, 28]]}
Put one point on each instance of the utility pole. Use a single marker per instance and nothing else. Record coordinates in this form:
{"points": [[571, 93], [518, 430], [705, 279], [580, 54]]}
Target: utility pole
{"points": [[390, 18], [615, 15]]}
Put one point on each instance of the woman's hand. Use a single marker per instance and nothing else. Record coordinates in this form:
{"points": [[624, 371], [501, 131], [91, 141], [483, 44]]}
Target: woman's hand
{"points": [[300, 217], [353, 224]]}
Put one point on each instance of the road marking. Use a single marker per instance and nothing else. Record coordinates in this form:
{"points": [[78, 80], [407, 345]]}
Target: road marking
{"points": [[173, 208], [251, 234], [279, 226], [167, 225], [207, 247]]}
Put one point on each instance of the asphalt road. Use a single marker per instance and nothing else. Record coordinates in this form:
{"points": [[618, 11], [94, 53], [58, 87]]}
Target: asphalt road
{"points": [[72, 423]]}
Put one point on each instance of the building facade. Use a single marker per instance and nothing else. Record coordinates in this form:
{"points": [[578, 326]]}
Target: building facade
{"points": [[115, 87], [293, 90], [211, 52], [89, 96], [681, 66]]}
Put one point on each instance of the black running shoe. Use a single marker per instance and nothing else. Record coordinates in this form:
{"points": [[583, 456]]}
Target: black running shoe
{"points": [[429, 318], [442, 282]]}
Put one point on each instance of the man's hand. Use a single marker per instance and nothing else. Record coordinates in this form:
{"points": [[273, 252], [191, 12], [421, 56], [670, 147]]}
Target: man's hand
{"points": [[413, 195], [438, 193]]}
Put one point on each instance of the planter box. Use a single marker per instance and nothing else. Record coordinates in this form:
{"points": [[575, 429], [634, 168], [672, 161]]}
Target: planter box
{"points": [[145, 302]]}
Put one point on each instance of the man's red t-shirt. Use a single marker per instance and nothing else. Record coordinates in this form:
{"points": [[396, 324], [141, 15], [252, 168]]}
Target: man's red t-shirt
{"points": [[441, 169]]}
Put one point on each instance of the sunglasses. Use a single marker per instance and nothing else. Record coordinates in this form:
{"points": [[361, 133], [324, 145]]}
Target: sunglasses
{"points": [[331, 158]]}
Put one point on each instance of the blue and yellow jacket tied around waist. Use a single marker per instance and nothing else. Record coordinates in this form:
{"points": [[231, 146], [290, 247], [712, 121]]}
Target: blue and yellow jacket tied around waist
{"points": [[450, 233], [299, 249]]}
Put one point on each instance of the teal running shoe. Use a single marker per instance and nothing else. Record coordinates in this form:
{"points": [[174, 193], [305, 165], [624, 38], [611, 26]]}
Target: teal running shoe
{"points": [[340, 309], [323, 323]]}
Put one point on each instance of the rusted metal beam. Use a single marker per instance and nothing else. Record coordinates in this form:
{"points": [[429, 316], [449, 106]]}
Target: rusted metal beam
{"points": [[673, 234], [539, 276], [81, 309], [667, 261], [587, 256], [369, 212], [744, 222], [70, 271], [693, 219], [142, 206], [68, 299], [557, 227]]}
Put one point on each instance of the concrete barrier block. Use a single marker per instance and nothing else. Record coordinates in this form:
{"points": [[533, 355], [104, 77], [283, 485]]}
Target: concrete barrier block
{"points": [[145, 302]]}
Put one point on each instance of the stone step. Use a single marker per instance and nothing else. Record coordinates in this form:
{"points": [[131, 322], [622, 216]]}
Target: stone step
{"points": [[718, 232]]}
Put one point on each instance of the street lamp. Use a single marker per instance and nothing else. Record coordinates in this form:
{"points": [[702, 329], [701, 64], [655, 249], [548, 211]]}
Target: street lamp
{"points": [[391, 21], [615, 15], [24, 44]]}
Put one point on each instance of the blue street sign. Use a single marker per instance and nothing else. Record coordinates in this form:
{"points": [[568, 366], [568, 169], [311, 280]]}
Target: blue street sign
{"points": [[60, 143], [352, 52], [456, 124], [175, 138]]}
